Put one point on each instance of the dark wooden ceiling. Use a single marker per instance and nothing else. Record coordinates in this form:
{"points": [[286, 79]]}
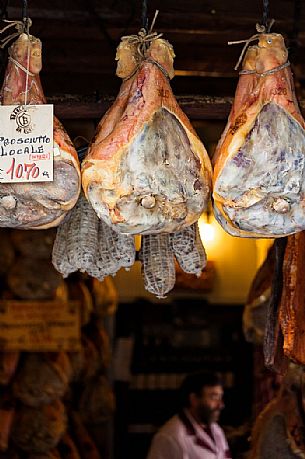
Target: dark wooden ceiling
{"points": [[80, 39]]}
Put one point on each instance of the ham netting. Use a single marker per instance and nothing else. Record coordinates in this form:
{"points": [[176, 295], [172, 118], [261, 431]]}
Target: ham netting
{"points": [[188, 250], [59, 254], [115, 250], [85, 243], [76, 243], [82, 237], [158, 264]]}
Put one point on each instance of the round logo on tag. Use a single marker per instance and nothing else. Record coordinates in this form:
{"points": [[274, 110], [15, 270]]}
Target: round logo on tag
{"points": [[23, 120]]}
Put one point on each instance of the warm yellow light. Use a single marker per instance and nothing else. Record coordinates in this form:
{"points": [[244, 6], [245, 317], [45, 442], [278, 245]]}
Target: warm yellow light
{"points": [[207, 232], [210, 235], [137, 242]]}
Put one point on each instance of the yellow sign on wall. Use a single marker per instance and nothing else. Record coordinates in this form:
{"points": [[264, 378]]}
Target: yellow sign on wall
{"points": [[39, 326]]}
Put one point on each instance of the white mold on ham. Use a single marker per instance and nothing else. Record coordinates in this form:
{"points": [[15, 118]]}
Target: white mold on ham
{"points": [[264, 180], [37, 205], [259, 168], [146, 171]]}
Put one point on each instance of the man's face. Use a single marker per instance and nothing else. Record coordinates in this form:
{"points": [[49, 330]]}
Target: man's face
{"points": [[208, 405]]}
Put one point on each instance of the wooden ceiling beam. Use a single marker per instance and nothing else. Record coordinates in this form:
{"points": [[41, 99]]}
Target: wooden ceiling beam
{"points": [[195, 107], [172, 13], [89, 32]]}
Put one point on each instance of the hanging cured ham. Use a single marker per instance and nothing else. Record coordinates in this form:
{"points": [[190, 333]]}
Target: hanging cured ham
{"points": [[259, 164], [273, 341], [7, 412], [42, 378], [292, 308], [279, 430], [255, 311], [36, 205], [37, 430], [146, 170]]}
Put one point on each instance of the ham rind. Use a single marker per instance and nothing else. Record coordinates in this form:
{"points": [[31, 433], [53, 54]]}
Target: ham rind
{"points": [[147, 172], [260, 159], [8, 365], [37, 205], [256, 307], [38, 430], [279, 429], [7, 412], [292, 310], [42, 378], [273, 341], [67, 448]]}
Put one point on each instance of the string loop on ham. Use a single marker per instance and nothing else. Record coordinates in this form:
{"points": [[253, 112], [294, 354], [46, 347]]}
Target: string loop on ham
{"points": [[144, 37], [143, 40], [152, 61], [20, 66], [260, 29], [20, 26], [268, 72]]}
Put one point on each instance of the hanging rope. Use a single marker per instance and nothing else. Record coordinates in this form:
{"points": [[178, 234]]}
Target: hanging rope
{"points": [[265, 27], [21, 27], [3, 54], [26, 22], [25, 17], [144, 37], [144, 15], [265, 13], [25, 9]]}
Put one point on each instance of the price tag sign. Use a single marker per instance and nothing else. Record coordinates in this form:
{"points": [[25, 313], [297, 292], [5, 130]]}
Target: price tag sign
{"points": [[26, 143], [36, 326]]}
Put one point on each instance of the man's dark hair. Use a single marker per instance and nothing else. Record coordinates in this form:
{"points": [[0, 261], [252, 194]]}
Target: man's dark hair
{"points": [[194, 383]]}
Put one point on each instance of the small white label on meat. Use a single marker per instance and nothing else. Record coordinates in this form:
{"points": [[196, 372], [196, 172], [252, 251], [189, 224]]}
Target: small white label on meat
{"points": [[26, 143]]}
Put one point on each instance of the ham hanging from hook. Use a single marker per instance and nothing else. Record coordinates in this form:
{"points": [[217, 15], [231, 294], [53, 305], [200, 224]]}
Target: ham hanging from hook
{"points": [[36, 205], [146, 170], [258, 184]]}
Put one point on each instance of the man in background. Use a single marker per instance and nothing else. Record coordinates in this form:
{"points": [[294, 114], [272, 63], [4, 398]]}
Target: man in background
{"points": [[193, 433]]}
